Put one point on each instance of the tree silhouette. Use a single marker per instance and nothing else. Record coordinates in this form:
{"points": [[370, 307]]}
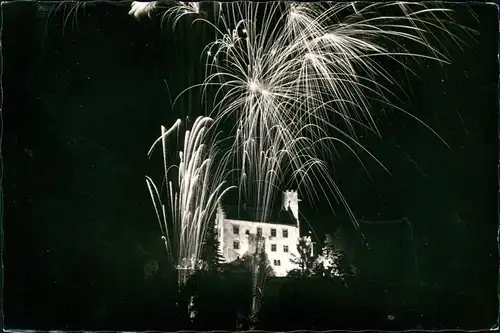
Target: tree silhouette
{"points": [[304, 259], [259, 266], [211, 254], [333, 262]]}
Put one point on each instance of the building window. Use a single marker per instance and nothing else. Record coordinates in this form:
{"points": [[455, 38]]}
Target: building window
{"points": [[285, 233], [277, 262], [273, 232], [259, 231], [285, 248], [236, 230], [273, 247], [236, 245]]}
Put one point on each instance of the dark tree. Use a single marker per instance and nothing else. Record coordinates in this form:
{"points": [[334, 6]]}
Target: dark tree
{"points": [[333, 262], [211, 255], [258, 264], [304, 260]]}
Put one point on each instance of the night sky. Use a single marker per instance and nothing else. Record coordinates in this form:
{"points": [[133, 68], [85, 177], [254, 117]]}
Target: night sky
{"points": [[83, 104]]}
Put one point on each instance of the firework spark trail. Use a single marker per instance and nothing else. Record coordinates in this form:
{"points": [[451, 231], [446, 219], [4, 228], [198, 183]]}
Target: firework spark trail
{"points": [[192, 196], [176, 13]]}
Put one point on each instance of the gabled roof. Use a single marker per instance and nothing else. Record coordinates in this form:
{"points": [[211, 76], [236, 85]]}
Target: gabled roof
{"points": [[277, 216]]}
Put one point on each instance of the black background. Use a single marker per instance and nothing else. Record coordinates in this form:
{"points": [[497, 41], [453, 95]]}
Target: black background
{"points": [[84, 99]]}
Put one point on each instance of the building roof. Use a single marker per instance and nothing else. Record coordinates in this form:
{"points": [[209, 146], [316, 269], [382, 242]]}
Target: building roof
{"points": [[276, 216]]}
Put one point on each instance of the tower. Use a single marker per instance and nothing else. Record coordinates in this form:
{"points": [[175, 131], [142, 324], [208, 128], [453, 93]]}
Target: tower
{"points": [[291, 201]]}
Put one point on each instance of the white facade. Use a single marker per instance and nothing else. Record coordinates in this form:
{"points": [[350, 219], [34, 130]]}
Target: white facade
{"points": [[280, 240]]}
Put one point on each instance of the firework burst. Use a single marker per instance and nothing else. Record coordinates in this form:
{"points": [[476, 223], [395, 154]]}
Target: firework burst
{"points": [[172, 13], [139, 9], [193, 189], [297, 78]]}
